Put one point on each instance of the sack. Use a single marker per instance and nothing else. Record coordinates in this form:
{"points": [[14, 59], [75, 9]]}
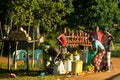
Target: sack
{"points": [[61, 68], [112, 46]]}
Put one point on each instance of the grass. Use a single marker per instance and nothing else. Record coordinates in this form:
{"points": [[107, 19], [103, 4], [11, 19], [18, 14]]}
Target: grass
{"points": [[116, 52], [32, 74]]}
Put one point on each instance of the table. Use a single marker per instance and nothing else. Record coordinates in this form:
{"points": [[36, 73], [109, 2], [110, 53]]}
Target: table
{"points": [[16, 47]]}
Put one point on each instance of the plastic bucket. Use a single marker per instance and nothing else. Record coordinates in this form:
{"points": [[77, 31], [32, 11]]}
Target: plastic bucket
{"points": [[81, 66], [68, 66], [77, 66], [76, 57]]}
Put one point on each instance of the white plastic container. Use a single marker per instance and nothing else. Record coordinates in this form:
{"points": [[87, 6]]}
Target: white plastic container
{"points": [[76, 58], [68, 66]]}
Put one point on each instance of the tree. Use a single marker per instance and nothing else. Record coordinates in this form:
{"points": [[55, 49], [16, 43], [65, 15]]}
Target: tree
{"points": [[51, 14], [96, 12], [20, 12], [46, 14]]}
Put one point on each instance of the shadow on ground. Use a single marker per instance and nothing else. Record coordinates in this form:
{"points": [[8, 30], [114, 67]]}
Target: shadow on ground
{"points": [[115, 77], [4, 73]]}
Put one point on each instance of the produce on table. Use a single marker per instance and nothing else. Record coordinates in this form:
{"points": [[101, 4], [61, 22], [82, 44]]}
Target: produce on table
{"points": [[19, 35]]}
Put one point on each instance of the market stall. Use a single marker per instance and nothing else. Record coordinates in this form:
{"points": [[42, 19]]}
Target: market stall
{"points": [[20, 39]]}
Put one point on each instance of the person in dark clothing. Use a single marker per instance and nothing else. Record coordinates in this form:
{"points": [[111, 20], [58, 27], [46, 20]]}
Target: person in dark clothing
{"points": [[54, 53], [106, 41]]}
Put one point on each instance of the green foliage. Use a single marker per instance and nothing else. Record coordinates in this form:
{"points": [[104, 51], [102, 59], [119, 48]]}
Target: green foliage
{"points": [[20, 12], [47, 14], [96, 12]]}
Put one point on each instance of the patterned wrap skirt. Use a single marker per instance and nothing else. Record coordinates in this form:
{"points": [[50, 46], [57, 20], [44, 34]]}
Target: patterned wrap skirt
{"points": [[98, 59]]}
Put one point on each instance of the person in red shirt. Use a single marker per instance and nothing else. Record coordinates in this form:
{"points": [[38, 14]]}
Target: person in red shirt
{"points": [[99, 34], [63, 42], [62, 38]]}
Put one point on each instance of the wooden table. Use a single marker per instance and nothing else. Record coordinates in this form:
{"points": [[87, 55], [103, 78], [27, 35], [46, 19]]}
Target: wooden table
{"points": [[16, 47]]}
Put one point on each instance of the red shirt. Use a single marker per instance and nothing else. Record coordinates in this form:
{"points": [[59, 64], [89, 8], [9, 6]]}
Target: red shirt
{"points": [[97, 35], [100, 35], [64, 40]]}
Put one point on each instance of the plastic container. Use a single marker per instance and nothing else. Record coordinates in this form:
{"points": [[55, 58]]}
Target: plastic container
{"points": [[41, 73], [84, 56], [87, 56], [77, 66], [76, 57], [81, 66], [68, 66]]}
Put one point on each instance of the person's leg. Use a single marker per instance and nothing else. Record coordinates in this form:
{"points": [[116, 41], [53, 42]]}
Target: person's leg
{"points": [[56, 54], [63, 51]]}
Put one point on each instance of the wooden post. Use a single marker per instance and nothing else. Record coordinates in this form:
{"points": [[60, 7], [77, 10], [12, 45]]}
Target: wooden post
{"points": [[33, 55], [15, 54], [33, 48], [27, 61], [9, 55], [1, 39]]}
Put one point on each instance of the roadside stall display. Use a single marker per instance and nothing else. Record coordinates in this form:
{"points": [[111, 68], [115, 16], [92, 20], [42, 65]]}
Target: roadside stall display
{"points": [[24, 38], [82, 57], [77, 38]]}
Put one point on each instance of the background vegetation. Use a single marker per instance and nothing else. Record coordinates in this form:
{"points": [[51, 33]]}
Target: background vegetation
{"points": [[51, 15]]}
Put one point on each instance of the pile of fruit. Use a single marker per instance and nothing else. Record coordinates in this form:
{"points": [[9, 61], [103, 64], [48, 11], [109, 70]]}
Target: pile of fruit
{"points": [[19, 35], [68, 56], [75, 53], [89, 68]]}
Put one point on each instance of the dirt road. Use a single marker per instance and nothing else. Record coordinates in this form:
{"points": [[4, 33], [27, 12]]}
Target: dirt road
{"points": [[112, 75]]}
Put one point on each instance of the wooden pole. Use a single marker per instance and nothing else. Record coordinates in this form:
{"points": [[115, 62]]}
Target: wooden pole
{"points": [[2, 45], [33, 50], [15, 54], [9, 55]]}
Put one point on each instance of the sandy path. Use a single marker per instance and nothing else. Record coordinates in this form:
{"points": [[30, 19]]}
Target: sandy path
{"points": [[112, 75]]}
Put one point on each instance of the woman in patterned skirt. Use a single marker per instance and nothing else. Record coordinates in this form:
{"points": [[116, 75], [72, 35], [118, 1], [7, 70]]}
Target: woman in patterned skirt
{"points": [[97, 46]]}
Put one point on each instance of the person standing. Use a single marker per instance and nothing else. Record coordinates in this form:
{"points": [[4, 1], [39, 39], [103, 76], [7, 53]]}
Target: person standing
{"points": [[98, 34], [97, 46], [106, 41], [63, 42]]}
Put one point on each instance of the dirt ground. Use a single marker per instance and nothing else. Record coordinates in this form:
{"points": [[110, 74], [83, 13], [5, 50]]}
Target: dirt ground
{"points": [[112, 75]]}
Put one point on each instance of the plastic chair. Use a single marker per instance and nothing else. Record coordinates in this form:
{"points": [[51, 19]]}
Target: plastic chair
{"points": [[37, 54], [20, 55]]}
